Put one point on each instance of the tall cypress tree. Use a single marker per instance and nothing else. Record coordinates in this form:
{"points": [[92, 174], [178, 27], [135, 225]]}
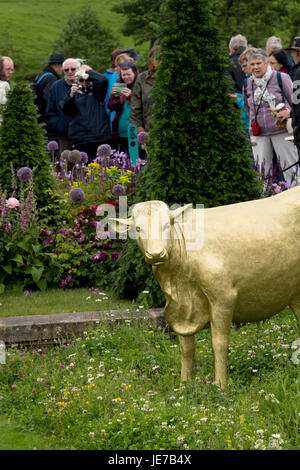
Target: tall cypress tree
{"points": [[198, 150], [23, 143]]}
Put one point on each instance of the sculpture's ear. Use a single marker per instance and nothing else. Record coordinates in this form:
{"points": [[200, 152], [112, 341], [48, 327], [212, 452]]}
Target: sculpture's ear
{"points": [[120, 225], [178, 214]]}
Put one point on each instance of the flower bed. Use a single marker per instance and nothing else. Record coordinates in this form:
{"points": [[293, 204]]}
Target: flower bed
{"points": [[71, 252]]}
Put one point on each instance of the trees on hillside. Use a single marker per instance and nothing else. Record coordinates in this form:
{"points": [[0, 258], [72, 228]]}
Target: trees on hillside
{"points": [[198, 151], [256, 20], [85, 37]]}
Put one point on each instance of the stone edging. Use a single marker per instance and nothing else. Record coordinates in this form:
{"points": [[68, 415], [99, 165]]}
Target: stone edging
{"points": [[47, 328]]}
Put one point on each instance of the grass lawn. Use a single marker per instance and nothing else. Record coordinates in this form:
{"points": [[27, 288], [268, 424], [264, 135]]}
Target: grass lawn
{"points": [[59, 301], [118, 388], [34, 25], [12, 437]]}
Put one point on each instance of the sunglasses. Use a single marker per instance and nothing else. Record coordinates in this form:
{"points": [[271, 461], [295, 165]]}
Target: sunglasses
{"points": [[81, 80], [72, 69]]}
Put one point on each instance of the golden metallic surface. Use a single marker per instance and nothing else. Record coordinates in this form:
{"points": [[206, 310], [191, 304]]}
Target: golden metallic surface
{"points": [[217, 266]]}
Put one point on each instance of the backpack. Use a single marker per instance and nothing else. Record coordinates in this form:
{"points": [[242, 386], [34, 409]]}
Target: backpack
{"points": [[37, 92], [279, 79]]}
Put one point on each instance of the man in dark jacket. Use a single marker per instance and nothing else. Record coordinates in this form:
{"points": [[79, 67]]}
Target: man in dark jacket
{"points": [[296, 110], [89, 124], [295, 55], [44, 80], [237, 45], [57, 120]]}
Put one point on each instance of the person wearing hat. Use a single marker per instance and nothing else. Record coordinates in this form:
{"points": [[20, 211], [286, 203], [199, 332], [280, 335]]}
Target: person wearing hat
{"points": [[295, 53], [44, 81], [131, 52]]}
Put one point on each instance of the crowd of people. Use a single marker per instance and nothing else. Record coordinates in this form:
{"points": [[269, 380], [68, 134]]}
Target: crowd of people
{"points": [[86, 108], [265, 83]]}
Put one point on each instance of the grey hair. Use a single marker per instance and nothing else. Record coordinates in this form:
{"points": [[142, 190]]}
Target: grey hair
{"points": [[274, 43], [79, 62], [258, 53], [7, 58], [236, 42]]}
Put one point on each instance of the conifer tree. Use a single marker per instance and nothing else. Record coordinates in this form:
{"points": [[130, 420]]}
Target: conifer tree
{"points": [[23, 143], [198, 150]]}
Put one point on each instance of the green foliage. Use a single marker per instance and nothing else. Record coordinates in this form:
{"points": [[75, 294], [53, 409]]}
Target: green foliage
{"points": [[198, 150], [249, 18], [140, 22], [232, 17], [83, 36], [22, 143]]}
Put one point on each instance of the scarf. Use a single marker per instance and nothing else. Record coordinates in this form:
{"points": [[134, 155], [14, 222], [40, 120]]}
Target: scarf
{"points": [[261, 84]]}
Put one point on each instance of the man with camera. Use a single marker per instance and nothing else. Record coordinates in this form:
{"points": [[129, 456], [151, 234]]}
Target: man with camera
{"points": [[85, 107], [57, 120]]}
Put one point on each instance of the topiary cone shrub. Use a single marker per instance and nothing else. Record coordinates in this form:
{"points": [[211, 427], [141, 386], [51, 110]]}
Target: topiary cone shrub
{"points": [[198, 151], [23, 143]]}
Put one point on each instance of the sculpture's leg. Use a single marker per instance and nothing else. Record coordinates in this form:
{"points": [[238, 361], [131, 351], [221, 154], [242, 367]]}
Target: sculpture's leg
{"points": [[295, 306], [187, 350], [220, 329]]}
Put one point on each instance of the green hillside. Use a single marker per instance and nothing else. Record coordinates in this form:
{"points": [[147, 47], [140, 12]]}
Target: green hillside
{"points": [[29, 28]]}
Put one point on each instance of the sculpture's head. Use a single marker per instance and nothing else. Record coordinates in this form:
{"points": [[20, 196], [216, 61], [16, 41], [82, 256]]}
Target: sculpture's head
{"points": [[152, 226]]}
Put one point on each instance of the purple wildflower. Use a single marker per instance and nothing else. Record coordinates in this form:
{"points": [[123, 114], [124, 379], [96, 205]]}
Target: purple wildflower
{"points": [[65, 282], [100, 256], [52, 145], [24, 174], [104, 150], [75, 156], [76, 194], [118, 190]]}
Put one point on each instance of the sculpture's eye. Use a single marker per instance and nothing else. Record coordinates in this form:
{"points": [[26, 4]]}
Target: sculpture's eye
{"points": [[138, 229]]}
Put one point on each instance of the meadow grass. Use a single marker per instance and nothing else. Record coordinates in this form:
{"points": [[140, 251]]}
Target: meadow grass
{"points": [[12, 437], [34, 25], [16, 303], [118, 388]]}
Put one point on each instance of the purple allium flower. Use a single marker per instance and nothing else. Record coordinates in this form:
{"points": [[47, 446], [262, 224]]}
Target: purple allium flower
{"points": [[118, 190], [74, 156], [52, 145], [24, 174], [65, 155], [104, 150], [26, 292], [76, 194], [115, 255], [84, 157], [13, 387], [142, 137]]}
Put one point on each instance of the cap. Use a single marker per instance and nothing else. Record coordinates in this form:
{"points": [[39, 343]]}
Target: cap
{"points": [[295, 45], [56, 59], [131, 52]]}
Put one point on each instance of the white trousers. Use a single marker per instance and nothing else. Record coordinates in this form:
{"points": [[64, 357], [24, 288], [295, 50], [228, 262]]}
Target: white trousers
{"points": [[287, 154]]}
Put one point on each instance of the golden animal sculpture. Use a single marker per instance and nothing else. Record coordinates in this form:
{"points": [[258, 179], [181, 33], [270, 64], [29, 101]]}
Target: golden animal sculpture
{"points": [[217, 266]]}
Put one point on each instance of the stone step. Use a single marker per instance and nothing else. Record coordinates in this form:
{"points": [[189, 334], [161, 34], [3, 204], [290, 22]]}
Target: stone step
{"points": [[48, 328]]}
